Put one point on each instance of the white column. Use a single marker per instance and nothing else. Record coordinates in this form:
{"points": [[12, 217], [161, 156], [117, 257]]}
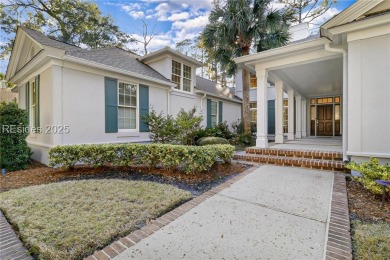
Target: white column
{"points": [[262, 109], [279, 112], [298, 117], [304, 117], [290, 94]]}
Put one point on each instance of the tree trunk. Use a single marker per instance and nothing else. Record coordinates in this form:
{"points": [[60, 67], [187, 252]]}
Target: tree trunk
{"points": [[246, 117]]}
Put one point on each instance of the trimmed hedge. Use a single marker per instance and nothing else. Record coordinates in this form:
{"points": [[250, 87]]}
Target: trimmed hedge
{"points": [[212, 140], [188, 159]]}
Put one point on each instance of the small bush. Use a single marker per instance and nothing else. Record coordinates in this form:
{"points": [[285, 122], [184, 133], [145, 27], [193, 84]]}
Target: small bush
{"points": [[162, 128], [371, 171], [188, 159], [14, 152], [187, 124], [179, 130], [243, 139], [212, 140]]}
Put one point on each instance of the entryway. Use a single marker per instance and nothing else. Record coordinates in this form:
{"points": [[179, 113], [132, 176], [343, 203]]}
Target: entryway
{"points": [[325, 116]]}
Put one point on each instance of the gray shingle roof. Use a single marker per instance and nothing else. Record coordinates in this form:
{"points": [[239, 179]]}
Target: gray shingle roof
{"points": [[111, 56], [206, 85], [118, 58], [45, 40], [311, 37]]}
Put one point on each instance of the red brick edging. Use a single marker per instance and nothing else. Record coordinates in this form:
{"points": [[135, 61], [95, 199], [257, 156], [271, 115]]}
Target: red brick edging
{"points": [[10, 245], [339, 244], [134, 237]]}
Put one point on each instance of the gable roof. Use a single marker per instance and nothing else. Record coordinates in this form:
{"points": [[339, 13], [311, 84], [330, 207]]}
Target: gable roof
{"points": [[111, 56], [171, 51], [212, 88]]}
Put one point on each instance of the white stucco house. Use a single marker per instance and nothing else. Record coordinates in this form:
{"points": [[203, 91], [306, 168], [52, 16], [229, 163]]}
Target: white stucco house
{"points": [[79, 96], [337, 83]]}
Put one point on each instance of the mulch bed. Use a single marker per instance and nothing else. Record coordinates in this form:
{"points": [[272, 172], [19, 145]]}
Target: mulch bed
{"points": [[195, 183], [363, 205]]}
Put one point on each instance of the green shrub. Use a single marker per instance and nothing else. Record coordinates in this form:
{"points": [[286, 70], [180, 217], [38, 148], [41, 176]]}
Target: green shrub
{"points": [[371, 171], [188, 159], [14, 152], [179, 130], [243, 139], [212, 140], [187, 124], [162, 128]]}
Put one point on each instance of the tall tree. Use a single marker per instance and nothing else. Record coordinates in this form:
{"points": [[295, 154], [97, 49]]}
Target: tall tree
{"points": [[72, 21], [236, 26], [306, 10]]}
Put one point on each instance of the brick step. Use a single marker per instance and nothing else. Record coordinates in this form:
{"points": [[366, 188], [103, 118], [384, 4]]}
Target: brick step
{"points": [[309, 154], [292, 161]]}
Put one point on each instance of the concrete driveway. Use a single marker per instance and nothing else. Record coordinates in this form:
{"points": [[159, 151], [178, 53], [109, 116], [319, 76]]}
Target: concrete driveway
{"points": [[273, 213]]}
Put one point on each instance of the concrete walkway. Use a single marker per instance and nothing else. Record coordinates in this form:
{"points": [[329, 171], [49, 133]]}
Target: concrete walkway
{"points": [[273, 213]]}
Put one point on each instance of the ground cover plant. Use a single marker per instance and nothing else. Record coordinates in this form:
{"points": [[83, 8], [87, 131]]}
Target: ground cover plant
{"points": [[71, 219]]}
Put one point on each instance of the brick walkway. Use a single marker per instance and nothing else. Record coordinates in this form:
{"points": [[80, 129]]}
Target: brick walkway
{"points": [[10, 245], [339, 245]]}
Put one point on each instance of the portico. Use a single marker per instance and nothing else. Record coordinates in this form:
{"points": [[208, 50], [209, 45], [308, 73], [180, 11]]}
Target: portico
{"points": [[312, 78]]}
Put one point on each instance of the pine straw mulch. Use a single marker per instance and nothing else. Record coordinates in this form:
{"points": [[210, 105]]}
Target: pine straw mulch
{"points": [[364, 205], [196, 183]]}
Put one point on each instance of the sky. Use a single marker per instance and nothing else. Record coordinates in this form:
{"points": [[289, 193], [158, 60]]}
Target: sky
{"points": [[172, 20]]}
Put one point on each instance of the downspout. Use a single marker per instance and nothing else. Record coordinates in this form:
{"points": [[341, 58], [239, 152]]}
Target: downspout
{"points": [[345, 96], [169, 100], [201, 102]]}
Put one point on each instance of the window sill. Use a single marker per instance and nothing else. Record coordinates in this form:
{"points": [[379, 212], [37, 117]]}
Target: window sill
{"points": [[129, 133]]}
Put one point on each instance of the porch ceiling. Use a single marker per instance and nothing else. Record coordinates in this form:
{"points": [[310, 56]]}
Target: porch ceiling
{"points": [[317, 78]]}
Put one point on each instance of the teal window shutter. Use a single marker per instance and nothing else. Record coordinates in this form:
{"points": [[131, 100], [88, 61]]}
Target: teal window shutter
{"points": [[220, 112], [143, 107], [27, 93], [208, 112], [111, 103], [37, 102]]}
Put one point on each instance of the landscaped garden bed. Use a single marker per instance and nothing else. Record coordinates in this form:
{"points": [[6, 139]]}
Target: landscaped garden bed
{"points": [[370, 223], [71, 211]]}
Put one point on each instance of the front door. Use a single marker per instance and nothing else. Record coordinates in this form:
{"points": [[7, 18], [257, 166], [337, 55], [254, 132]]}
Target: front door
{"points": [[324, 120]]}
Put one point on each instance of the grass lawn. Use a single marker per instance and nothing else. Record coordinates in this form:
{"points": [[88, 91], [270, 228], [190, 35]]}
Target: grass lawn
{"points": [[70, 220], [371, 240]]}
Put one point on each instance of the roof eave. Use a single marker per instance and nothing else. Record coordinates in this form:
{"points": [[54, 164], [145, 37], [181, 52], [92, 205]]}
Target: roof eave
{"points": [[113, 69], [171, 51], [217, 96], [274, 53]]}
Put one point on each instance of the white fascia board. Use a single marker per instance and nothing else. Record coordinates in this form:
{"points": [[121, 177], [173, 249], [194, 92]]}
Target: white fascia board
{"points": [[360, 25], [351, 13], [217, 96], [282, 51], [109, 68], [168, 50]]}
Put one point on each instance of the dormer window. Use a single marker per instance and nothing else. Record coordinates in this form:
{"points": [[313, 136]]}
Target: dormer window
{"points": [[181, 75]]}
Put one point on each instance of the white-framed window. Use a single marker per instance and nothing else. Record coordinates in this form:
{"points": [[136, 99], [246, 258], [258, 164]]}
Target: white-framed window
{"points": [[127, 106], [214, 113], [182, 76], [253, 111]]}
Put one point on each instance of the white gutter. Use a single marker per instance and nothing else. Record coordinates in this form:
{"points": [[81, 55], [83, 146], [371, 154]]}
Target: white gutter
{"points": [[201, 102], [169, 100], [217, 96], [345, 96]]}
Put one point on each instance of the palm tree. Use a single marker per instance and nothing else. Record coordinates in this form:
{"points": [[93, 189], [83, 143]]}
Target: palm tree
{"points": [[237, 26]]}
